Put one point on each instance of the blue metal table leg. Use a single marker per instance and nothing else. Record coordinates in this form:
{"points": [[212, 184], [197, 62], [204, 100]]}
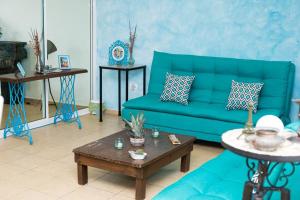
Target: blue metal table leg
{"points": [[66, 109], [16, 122]]}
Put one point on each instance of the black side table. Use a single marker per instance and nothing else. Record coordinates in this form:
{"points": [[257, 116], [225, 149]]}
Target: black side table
{"points": [[119, 69]]}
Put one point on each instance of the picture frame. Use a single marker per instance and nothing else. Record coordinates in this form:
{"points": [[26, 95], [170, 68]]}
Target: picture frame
{"points": [[118, 53], [64, 62], [21, 69]]}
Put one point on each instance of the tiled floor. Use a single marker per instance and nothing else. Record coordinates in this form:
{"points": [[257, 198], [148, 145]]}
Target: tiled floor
{"points": [[46, 170]]}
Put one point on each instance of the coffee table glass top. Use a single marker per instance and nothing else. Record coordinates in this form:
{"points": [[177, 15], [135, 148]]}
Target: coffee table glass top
{"points": [[156, 148]]}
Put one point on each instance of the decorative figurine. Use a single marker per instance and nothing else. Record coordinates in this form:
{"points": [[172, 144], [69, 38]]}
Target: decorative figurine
{"points": [[248, 129], [249, 124]]}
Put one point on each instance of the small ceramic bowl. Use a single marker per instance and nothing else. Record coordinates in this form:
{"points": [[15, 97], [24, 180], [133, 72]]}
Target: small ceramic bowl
{"points": [[267, 139], [137, 156], [266, 131]]}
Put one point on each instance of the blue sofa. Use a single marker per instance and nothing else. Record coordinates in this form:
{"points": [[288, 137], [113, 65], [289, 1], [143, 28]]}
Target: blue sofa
{"points": [[222, 178], [206, 117]]}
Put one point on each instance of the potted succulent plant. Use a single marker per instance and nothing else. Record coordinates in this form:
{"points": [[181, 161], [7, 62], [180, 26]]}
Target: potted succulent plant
{"points": [[136, 129]]}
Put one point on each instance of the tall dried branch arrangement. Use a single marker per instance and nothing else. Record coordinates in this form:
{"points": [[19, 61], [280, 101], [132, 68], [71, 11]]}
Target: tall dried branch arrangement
{"points": [[35, 42], [132, 36]]}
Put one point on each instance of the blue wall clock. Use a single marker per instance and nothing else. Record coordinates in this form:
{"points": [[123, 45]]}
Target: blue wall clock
{"points": [[118, 53]]}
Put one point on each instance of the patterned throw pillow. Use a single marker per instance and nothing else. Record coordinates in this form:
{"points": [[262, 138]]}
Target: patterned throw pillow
{"points": [[242, 94], [177, 88]]}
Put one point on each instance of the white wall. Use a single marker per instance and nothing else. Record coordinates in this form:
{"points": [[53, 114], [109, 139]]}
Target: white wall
{"points": [[17, 18], [68, 27]]}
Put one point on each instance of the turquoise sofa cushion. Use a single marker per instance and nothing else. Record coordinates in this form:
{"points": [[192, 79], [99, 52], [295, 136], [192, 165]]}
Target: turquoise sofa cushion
{"points": [[221, 178], [214, 75], [151, 102]]}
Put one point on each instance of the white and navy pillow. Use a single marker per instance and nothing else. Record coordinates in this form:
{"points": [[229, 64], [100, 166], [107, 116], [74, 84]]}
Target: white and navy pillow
{"points": [[242, 94], [177, 88]]}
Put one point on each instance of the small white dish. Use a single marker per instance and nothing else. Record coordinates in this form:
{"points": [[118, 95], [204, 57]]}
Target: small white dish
{"points": [[136, 156]]}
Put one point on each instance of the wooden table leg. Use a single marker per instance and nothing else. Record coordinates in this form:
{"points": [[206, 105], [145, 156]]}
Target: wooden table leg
{"points": [[285, 194], [140, 188], [185, 162], [82, 174], [248, 188]]}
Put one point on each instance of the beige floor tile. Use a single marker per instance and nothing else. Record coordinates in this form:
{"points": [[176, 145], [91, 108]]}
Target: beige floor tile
{"points": [[8, 171], [54, 153], [121, 197], [87, 193], [30, 195], [9, 155], [57, 187], [8, 189], [56, 168], [30, 162], [151, 191], [114, 183], [30, 179]]}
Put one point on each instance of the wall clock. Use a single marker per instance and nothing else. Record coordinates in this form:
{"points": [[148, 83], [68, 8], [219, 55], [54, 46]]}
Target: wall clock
{"points": [[118, 53]]}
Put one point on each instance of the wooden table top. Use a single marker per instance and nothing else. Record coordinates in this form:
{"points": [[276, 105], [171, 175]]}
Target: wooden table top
{"points": [[156, 149], [33, 76]]}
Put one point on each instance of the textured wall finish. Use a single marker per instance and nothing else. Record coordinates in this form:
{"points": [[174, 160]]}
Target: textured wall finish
{"points": [[268, 30]]}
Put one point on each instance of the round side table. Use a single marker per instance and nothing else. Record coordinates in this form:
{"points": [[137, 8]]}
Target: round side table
{"points": [[261, 164]]}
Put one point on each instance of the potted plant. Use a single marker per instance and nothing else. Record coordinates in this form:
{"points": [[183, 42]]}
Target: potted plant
{"points": [[136, 129]]}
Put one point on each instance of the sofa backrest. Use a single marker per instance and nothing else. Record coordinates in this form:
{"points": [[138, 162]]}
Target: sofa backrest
{"points": [[214, 76]]}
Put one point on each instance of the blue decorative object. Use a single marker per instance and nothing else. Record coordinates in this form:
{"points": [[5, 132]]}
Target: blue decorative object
{"points": [[16, 122], [118, 53], [66, 109]]}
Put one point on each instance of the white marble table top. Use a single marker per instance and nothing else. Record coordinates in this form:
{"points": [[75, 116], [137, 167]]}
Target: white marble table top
{"points": [[287, 152]]}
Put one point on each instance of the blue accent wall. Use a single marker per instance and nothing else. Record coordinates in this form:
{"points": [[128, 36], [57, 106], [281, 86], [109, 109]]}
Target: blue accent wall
{"points": [[268, 30]]}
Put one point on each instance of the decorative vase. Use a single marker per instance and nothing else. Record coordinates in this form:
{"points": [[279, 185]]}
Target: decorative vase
{"points": [[39, 65], [131, 60], [137, 142], [267, 139]]}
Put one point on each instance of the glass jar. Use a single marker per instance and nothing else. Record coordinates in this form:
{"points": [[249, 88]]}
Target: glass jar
{"points": [[155, 133], [119, 143]]}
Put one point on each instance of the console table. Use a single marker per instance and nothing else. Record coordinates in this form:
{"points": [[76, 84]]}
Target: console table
{"points": [[120, 68], [261, 164], [16, 122]]}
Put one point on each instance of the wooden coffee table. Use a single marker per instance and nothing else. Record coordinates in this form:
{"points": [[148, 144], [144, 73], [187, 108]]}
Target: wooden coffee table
{"points": [[102, 154]]}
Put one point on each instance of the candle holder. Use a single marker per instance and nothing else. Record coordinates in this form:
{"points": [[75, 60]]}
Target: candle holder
{"points": [[155, 133], [119, 143]]}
